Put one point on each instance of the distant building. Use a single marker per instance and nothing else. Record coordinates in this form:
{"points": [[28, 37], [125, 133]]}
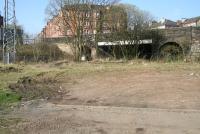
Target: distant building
{"points": [[164, 24], [192, 22], [98, 18]]}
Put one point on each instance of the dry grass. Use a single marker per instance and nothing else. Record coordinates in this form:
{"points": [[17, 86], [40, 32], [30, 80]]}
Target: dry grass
{"points": [[46, 76], [35, 81]]}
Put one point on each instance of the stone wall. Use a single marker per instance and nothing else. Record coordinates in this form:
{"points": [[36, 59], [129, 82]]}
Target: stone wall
{"points": [[188, 39], [195, 50]]}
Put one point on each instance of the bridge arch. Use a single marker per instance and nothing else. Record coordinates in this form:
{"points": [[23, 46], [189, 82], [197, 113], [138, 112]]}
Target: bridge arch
{"points": [[171, 50]]}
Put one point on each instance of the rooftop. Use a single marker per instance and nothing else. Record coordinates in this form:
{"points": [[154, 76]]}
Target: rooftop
{"points": [[190, 20]]}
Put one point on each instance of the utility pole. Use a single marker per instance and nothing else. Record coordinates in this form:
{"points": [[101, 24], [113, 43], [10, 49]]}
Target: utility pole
{"points": [[9, 32]]}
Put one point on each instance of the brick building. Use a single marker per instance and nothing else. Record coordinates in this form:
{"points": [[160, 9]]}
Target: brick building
{"points": [[95, 19], [164, 24], [194, 22]]}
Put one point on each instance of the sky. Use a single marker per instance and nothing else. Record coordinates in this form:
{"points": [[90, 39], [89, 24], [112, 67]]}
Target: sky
{"points": [[31, 13]]}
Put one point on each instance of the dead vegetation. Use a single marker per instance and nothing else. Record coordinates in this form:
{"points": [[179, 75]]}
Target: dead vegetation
{"points": [[8, 69], [41, 52], [41, 86], [6, 123]]}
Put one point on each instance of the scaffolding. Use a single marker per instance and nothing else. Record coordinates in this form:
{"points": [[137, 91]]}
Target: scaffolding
{"points": [[9, 32]]}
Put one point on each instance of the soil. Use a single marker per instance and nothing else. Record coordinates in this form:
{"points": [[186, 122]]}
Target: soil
{"points": [[118, 102], [140, 89]]}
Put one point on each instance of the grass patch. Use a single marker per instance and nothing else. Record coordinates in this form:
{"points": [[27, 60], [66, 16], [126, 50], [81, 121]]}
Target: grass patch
{"points": [[12, 74], [8, 98]]}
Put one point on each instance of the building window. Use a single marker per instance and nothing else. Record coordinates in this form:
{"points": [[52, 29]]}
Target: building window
{"points": [[86, 31], [87, 23], [97, 14], [87, 14], [68, 32]]}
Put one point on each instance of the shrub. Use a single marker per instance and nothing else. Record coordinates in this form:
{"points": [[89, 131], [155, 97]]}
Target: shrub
{"points": [[38, 52]]}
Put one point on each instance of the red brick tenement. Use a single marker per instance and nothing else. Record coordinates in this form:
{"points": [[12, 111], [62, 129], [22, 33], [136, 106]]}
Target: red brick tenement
{"points": [[93, 20]]}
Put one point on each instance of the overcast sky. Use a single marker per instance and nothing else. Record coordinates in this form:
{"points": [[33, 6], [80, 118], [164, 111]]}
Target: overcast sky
{"points": [[31, 13]]}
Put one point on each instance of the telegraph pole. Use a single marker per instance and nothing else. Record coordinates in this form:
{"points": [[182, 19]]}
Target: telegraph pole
{"points": [[9, 32]]}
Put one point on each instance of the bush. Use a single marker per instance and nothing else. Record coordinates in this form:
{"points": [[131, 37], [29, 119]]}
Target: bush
{"points": [[38, 52]]}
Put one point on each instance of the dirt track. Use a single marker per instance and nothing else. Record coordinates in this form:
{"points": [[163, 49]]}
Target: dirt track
{"points": [[119, 102], [141, 89], [47, 118]]}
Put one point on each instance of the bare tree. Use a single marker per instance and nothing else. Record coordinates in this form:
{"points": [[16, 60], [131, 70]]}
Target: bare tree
{"points": [[77, 19], [138, 22], [137, 19]]}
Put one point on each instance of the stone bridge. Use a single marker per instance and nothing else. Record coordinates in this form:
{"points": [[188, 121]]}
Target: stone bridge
{"points": [[187, 40], [184, 41]]}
